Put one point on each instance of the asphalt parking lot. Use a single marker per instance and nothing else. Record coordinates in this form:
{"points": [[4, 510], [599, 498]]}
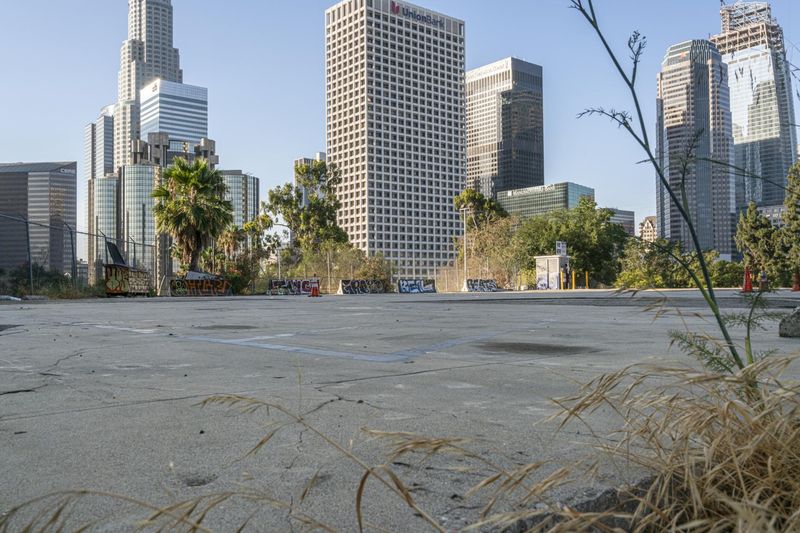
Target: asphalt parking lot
{"points": [[104, 394]]}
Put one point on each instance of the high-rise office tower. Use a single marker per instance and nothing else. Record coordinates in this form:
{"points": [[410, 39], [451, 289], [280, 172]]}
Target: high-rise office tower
{"points": [[99, 145], [505, 126], [148, 54], [242, 192], [762, 108], [44, 194], [135, 214], [103, 222], [101, 187], [175, 108], [396, 128], [694, 122]]}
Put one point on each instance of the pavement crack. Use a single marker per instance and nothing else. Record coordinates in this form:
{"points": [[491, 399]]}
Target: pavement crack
{"points": [[20, 391]]}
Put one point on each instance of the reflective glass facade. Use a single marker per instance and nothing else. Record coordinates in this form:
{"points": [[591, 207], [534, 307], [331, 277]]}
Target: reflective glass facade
{"points": [[693, 119], [752, 45], [242, 192], [505, 126], [103, 222], [45, 193], [136, 214], [533, 201]]}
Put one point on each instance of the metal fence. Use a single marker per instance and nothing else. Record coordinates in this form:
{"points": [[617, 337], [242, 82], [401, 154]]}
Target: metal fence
{"points": [[46, 251]]}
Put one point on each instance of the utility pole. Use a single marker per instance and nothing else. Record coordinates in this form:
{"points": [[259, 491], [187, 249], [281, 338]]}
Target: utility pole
{"points": [[73, 266], [464, 212], [30, 261]]}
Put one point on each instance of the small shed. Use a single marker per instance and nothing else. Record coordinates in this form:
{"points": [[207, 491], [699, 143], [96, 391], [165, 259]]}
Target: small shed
{"points": [[548, 271]]}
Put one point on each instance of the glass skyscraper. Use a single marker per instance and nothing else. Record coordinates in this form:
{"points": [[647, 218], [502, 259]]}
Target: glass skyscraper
{"points": [[505, 126], [242, 192], [694, 126], [101, 187], [135, 214], [103, 223], [45, 194], [762, 108]]}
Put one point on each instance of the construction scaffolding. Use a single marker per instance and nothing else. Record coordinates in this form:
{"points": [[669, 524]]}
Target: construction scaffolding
{"points": [[746, 25]]}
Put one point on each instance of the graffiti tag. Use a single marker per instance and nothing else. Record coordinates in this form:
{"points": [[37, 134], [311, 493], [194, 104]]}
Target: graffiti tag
{"points": [[199, 287], [292, 287], [361, 286], [124, 281], [411, 286], [481, 285]]}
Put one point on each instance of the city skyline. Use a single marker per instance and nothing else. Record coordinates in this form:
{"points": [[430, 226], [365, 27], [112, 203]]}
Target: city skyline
{"points": [[298, 128]]}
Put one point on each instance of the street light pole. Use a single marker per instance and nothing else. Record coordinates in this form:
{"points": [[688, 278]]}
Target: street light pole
{"points": [[464, 212]]}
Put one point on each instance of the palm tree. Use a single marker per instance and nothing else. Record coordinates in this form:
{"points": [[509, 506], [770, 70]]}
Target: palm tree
{"points": [[231, 240], [191, 207]]}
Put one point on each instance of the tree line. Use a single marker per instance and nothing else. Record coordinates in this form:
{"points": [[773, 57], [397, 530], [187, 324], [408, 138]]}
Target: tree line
{"points": [[192, 210]]}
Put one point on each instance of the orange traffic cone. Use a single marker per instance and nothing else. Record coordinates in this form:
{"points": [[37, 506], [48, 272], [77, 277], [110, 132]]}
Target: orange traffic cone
{"points": [[748, 283]]}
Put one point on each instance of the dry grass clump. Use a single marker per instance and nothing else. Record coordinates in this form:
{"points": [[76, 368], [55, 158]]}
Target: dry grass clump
{"points": [[724, 448]]}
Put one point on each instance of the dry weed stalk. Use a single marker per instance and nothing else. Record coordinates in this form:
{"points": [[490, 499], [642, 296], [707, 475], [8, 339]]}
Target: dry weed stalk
{"points": [[722, 460]]}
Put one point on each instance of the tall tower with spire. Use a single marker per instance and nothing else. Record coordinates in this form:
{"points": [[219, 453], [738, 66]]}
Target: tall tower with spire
{"points": [[146, 55]]}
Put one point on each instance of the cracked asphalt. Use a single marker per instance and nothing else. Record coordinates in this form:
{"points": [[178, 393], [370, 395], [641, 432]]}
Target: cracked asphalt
{"points": [[106, 395]]}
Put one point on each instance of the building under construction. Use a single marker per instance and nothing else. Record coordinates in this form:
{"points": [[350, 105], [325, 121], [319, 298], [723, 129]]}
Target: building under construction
{"points": [[762, 110]]}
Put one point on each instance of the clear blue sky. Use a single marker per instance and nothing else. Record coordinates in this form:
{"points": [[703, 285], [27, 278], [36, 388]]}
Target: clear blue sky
{"points": [[263, 63]]}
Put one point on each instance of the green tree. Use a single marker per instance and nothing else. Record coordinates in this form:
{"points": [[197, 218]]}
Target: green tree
{"points": [[491, 253], [376, 267], [594, 243], [789, 234], [649, 265], [231, 241], [312, 221], [191, 208], [756, 238], [481, 210], [662, 265]]}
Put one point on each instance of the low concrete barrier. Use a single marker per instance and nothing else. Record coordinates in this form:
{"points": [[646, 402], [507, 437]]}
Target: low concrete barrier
{"points": [[413, 286], [361, 286], [292, 287], [200, 287], [481, 285]]}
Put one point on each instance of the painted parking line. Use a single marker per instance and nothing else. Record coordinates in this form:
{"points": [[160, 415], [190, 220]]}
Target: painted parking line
{"points": [[253, 342]]}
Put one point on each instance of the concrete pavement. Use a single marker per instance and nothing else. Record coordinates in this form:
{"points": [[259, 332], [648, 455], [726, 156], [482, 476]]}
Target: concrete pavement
{"points": [[104, 394]]}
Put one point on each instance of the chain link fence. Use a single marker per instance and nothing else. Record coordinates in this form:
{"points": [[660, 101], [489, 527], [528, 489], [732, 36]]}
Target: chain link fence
{"points": [[56, 258]]}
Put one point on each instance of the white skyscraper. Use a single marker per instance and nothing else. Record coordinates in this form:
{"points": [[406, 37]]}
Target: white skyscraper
{"points": [[396, 128], [175, 108], [146, 55]]}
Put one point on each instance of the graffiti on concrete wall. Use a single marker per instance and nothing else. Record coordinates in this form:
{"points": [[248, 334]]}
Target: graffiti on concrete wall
{"points": [[411, 286], [200, 287], [125, 281], [361, 286], [481, 285], [292, 287]]}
